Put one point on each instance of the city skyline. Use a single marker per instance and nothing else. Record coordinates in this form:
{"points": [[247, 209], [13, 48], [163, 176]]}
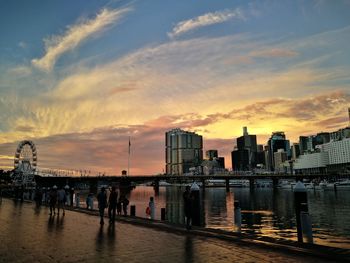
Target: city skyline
{"points": [[78, 79]]}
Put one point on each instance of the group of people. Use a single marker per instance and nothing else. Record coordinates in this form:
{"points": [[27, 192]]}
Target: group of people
{"points": [[57, 198], [113, 204]]}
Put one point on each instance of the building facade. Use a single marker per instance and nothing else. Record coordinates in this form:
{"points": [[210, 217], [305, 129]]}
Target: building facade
{"points": [[277, 141], [183, 150], [245, 156], [279, 158], [331, 157], [211, 154]]}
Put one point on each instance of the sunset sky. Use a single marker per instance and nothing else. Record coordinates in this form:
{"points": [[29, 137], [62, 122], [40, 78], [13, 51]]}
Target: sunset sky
{"points": [[79, 77]]}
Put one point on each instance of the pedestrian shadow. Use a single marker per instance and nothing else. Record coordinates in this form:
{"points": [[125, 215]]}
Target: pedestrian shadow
{"points": [[111, 234], [188, 256], [55, 222], [101, 237], [37, 210]]}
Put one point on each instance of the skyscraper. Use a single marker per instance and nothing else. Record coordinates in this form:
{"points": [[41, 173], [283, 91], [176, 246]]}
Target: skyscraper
{"points": [[277, 141], [279, 157], [244, 158], [183, 150], [211, 154], [295, 151]]}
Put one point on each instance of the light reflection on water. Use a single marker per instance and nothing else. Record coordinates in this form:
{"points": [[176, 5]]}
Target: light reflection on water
{"points": [[264, 211]]}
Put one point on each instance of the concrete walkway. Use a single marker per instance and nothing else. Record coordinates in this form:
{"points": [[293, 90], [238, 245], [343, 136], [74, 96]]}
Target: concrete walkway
{"points": [[28, 234]]}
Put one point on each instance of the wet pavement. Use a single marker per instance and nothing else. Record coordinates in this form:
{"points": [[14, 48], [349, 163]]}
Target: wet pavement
{"points": [[28, 234]]}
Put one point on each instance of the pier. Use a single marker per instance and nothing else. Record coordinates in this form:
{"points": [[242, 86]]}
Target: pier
{"points": [[62, 239]]}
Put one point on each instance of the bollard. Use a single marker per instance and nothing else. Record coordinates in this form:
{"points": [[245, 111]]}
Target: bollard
{"points": [[227, 185], [237, 216], [300, 196], [162, 214], [132, 210], [196, 205], [306, 225]]}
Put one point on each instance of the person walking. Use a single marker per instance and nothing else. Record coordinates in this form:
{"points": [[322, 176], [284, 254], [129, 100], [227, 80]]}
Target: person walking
{"points": [[71, 196], [187, 198], [119, 206], [53, 199], [102, 204], [112, 204], [151, 206], [125, 204], [38, 197], [62, 199]]}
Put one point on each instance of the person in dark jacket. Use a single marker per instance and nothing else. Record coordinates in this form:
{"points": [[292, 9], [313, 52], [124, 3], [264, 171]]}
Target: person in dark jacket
{"points": [[112, 204], [125, 203], [102, 204]]}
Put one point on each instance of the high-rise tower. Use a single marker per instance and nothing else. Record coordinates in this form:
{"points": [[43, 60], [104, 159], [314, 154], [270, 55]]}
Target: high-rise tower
{"points": [[183, 150]]}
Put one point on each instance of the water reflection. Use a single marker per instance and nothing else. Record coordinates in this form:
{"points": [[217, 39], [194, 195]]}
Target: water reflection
{"points": [[265, 211]]}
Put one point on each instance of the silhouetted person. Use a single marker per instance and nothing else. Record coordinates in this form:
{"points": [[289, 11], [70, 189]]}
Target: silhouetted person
{"points": [[102, 204], [21, 193], [151, 206], [38, 197], [125, 204], [187, 197], [112, 204], [53, 199], [71, 195], [90, 201], [61, 198], [119, 206]]}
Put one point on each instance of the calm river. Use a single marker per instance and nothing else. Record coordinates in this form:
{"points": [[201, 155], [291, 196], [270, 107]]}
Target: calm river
{"points": [[265, 211]]}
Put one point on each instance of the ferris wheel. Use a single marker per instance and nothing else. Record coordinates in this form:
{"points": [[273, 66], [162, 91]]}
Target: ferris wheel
{"points": [[25, 157]]}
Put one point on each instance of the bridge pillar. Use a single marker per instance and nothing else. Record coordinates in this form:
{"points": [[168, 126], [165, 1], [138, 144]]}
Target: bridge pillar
{"points": [[203, 183], [274, 183], [251, 183], [227, 185]]}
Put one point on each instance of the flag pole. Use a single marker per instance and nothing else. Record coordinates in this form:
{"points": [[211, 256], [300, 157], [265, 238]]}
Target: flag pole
{"points": [[129, 158]]}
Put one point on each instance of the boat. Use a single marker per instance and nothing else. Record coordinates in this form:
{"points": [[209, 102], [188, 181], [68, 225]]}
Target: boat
{"points": [[343, 184], [216, 182], [239, 183], [164, 183], [263, 183], [285, 184]]}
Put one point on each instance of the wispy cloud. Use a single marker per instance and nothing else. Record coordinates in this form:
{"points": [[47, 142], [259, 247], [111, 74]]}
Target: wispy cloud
{"points": [[107, 146], [274, 52], [22, 44], [57, 45], [206, 20]]}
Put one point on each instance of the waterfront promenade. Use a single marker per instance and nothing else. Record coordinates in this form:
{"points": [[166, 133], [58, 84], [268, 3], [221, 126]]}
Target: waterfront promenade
{"points": [[28, 234]]}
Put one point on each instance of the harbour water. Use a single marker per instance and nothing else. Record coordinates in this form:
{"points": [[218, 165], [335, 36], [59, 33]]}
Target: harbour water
{"points": [[265, 211]]}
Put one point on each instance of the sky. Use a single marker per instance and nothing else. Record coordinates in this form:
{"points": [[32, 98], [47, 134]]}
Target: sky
{"points": [[79, 78]]}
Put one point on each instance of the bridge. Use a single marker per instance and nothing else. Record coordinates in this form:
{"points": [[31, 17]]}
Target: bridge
{"points": [[48, 181]]}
